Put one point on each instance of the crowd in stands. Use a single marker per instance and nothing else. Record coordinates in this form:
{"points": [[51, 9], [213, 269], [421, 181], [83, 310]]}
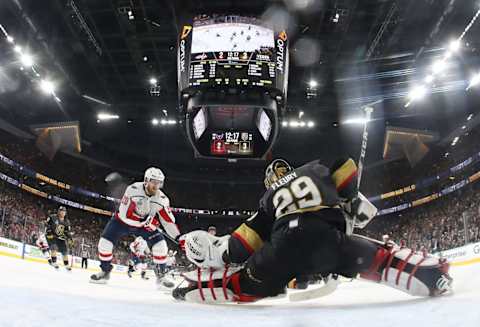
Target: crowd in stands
{"points": [[442, 224]]}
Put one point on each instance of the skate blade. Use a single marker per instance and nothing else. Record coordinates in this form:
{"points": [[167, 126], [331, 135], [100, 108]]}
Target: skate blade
{"points": [[102, 281]]}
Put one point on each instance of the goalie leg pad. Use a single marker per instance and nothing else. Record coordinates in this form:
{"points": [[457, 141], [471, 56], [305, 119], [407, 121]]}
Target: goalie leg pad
{"points": [[213, 286], [416, 273]]}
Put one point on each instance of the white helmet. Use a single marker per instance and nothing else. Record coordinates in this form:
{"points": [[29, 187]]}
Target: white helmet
{"points": [[154, 174]]}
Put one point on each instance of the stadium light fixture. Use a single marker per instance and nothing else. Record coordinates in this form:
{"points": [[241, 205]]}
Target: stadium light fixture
{"points": [[47, 86], [300, 114], [104, 116], [10, 39], [17, 49], [310, 124], [454, 46], [293, 123], [470, 117], [155, 121], [153, 81], [284, 123], [360, 120], [429, 79], [438, 66], [313, 84], [26, 60], [417, 93], [171, 122], [455, 140], [474, 81]]}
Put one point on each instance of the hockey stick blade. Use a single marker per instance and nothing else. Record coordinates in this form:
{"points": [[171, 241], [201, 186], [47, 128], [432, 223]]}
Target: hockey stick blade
{"points": [[325, 290]]}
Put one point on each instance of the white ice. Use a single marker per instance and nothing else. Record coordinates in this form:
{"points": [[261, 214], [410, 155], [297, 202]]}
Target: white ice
{"points": [[34, 294]]}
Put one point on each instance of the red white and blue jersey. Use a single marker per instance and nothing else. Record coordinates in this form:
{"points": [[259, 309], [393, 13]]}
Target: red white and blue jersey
{"points": [[42, 242], [136, 207], [139, 247]]}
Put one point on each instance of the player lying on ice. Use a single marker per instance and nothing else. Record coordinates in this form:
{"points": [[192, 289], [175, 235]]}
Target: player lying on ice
{"points": [[302, 227]]}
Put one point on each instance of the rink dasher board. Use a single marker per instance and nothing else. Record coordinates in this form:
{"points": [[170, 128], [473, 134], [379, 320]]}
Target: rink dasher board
{"points": [[15, 249]]}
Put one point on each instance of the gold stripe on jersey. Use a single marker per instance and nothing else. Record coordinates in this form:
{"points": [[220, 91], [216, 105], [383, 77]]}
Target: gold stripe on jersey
{"points": [[249, 237], [343, 175]]}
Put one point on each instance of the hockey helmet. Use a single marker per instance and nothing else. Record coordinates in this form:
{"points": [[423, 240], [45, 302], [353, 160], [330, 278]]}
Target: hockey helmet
{"points": [[154, 174], [276, 170]]}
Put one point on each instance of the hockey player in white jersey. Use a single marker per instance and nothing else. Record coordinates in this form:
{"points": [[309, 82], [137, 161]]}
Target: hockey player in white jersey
{"points": [[143, 208], [42, 244], [139, 250]]}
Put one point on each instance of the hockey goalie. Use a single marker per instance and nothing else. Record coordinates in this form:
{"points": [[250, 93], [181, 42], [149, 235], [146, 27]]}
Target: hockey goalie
{"points": [[303, 227]]}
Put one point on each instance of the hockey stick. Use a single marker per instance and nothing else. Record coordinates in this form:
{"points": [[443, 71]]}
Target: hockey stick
{"points": [[361, 160], [328, 288]]}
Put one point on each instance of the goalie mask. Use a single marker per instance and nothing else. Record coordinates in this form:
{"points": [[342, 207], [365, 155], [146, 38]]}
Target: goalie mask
{"points": [[276, 170]]}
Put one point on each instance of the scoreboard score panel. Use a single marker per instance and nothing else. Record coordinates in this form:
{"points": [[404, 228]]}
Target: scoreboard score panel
{"points": [[232, 54], [231, 143]]}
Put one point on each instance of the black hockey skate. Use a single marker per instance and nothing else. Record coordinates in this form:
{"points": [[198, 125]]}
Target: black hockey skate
{"points": [[100, 278], [144, 276]]}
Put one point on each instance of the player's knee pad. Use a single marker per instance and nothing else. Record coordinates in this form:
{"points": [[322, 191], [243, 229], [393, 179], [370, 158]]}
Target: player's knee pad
{"points": [[416, 273], [105, 249], [159, 252]]}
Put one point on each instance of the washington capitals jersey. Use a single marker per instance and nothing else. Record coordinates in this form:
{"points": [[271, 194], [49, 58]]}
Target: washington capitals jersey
{"points": [[139, 247], [136, 207], [309, 188]]}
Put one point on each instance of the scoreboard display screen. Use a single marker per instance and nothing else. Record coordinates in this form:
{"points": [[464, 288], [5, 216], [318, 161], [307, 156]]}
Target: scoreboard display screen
{"points": [[232, 51], [232, 54], [231, 143]]}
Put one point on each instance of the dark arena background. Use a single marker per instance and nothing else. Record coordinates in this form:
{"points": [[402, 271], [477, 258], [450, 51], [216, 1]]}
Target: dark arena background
{"points": [[94, 92]]}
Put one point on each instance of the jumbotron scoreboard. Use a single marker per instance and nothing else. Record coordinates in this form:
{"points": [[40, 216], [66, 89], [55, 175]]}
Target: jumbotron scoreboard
{"points": [[232, 81]]}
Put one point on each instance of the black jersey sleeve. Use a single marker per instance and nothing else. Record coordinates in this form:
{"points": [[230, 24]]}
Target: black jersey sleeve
{"points": [[250, 236]]}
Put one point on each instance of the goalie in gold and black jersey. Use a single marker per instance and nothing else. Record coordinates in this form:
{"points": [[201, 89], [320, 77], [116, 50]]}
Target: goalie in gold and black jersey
{"points": [[304, 226], [59, 236]]}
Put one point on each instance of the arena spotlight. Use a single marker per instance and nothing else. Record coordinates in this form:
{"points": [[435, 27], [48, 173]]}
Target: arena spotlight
{"points": [[10, 39], [474, 81], [360, 120], [470, 117], [104, 116], [454, 46], [429, 79], [438, 66], [310, 124], [155, 121], [284, 123], [26, 60], [417, 93], [300, 114], [312, 84], [153, 81], [293, 123], [17, 49], [47, 86]]}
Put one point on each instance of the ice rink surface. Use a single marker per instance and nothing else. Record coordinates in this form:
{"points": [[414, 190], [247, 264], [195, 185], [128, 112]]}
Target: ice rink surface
{"points": [[34, 294]]}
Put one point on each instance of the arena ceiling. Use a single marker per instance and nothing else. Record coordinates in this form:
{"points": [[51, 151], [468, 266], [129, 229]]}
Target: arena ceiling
{"points": [[358, 52]]}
